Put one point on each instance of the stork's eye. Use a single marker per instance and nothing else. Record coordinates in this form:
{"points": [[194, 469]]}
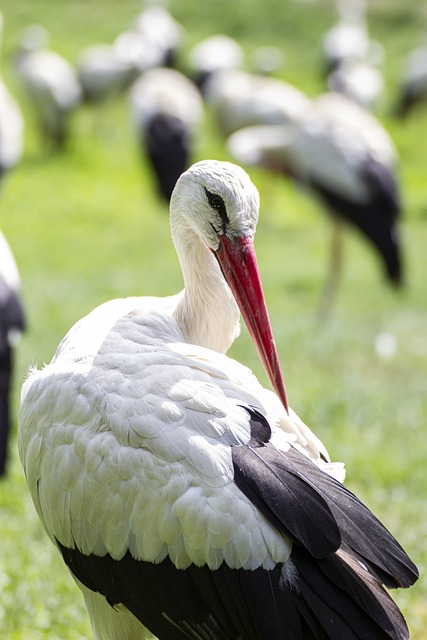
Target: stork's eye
{"points": [[217, 203]]}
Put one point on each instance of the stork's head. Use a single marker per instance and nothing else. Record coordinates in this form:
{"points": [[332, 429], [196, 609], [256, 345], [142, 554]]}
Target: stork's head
{"points": [[218, 202], [215, 199]]}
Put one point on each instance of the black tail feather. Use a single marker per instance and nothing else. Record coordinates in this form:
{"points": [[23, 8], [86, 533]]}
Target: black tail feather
{"points": [[346, 599]]}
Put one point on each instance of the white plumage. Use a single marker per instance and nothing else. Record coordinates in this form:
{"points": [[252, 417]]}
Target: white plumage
{"points": [[239, 99], [153, 40], [103, 72], [11, 130], [9, 273], [413, 83], [359, 80], [150, 458], [348, 39], [352, 58], [159, 28], [214, 54], [11, 125], [51, 84]]}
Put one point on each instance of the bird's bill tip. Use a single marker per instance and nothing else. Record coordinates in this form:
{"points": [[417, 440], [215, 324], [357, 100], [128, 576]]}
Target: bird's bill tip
{"points": [[238, 263]]}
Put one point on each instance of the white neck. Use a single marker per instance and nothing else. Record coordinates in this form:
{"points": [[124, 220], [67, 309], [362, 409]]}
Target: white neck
{"points": [[207, 312]]}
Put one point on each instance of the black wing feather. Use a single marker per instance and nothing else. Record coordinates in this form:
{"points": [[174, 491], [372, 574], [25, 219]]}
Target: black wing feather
{"points": [[316, 510], [197, 603], [290, 503]]}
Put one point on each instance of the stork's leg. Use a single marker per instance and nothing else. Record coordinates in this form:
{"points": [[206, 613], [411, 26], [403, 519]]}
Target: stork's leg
{"points": [[335, 269]]}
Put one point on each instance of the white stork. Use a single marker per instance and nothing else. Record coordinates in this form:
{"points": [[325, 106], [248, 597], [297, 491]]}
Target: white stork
{"points": [[359, 80], [156, 24], [413, 83], [211, 55], [103, 72], [167, 110], [184, 497], [11, 309], [345, 157], [152, 41], [11, 130], [12, 323], [239, 99], [11, 125], [352, 58], [51, 84], [348, 38]]}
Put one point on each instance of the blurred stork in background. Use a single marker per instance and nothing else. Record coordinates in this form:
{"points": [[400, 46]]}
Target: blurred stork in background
{"points": [[352, 59], [361, 81], [239, 99], [153, 40], [51, 84], [12, 323], [343, 155], [212, 55], [413, 84], [11, 310], [161, 30], [348, 38], [11, 125], [103, 72], [166, 109]]}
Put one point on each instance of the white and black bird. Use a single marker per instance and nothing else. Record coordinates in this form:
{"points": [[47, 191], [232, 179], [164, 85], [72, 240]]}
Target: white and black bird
{"points": [[11, 125], [413, 83], [153, 40], [360, 80], [343, 155], [165, 34], [167, 111], [12, 323], [352, 59], [239, 99], [51, 84], [104, 73], [348, 38], [11, 308], [184, 497], [11, 130], [211, 55]]}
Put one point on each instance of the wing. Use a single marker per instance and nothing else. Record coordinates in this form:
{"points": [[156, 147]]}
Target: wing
{"points": [[281, 483], [163, 490], [324, 590]]}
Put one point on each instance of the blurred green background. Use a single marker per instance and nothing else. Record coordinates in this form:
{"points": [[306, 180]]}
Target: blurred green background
{"points": [[86, 226]]}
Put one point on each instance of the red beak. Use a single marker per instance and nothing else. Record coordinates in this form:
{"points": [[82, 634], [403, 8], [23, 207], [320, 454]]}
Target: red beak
{"points": [[238, 263]]}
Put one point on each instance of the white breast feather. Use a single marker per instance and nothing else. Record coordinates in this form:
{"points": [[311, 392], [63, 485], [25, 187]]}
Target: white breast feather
{"points": [[127, 446]]}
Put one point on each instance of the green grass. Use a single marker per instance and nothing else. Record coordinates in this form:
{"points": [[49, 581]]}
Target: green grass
{"points": [[86, 226]]}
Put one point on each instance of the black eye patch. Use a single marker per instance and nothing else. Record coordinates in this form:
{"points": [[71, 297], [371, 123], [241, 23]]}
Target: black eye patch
{"points": [[217, 203]]}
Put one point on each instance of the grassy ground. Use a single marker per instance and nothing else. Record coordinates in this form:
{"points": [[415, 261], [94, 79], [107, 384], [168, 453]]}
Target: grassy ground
{"points": [[83, 225]]}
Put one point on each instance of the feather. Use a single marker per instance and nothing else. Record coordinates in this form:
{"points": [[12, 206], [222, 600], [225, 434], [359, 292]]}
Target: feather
{"points": [[314, 509]]}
